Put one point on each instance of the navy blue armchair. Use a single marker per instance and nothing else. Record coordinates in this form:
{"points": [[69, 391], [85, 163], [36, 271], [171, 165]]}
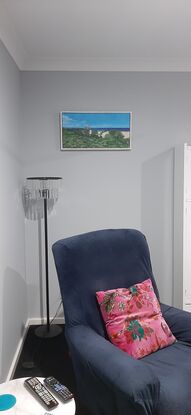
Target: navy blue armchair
{"points": [[109, 381]]}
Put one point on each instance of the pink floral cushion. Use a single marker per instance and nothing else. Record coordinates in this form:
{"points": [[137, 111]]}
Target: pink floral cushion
{"points": [[133, 319]]}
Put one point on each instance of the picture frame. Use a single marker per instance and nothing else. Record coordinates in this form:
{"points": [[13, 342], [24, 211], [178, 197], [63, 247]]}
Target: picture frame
{"points": [[93, 130]]}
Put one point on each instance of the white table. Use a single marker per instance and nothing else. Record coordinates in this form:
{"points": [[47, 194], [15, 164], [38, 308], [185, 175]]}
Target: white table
{"points": [[26, 404]]}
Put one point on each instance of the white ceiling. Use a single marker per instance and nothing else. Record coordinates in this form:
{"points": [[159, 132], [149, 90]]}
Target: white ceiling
{"points": [[98, 34]]}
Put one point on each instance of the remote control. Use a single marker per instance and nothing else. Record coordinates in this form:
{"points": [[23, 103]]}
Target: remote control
{"points": [[41, 392], [60, 390]]}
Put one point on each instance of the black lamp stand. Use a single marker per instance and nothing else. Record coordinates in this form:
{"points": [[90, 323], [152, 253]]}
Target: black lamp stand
{"points": [[48, 330]]}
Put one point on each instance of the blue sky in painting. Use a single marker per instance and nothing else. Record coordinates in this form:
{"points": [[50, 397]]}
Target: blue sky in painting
{"points": [[95, 120]]}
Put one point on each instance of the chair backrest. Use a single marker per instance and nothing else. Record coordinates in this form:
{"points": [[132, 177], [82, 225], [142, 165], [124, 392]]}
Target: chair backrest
{"points": [[99, 260]]}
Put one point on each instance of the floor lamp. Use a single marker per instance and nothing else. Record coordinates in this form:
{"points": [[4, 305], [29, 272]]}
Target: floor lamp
{"points": [[46, 190]]}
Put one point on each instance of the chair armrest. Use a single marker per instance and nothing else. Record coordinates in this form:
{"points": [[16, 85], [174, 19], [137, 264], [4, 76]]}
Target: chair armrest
{"points": [[129, 382], [179, 322]]}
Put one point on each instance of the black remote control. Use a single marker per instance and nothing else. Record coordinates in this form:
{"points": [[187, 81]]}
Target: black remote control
{"points": [[41, 392], [62, 391]]}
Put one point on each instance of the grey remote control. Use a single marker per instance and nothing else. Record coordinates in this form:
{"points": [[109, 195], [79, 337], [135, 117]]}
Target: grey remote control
{"points": [[60, 390]]}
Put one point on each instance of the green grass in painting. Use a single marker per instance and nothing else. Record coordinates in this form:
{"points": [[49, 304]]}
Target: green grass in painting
{"points": [[80, 138]]}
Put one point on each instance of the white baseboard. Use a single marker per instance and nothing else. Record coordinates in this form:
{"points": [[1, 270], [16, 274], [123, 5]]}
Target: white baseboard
{"points": [[17, 354], [30, 322], [38, 320]]}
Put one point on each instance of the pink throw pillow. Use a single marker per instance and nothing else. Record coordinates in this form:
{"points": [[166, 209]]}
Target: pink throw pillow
{"points": [[133, 319]]}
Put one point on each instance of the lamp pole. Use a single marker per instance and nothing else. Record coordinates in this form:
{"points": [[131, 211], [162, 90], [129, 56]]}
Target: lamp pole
{"points": [[46, 264], [47, 330]]}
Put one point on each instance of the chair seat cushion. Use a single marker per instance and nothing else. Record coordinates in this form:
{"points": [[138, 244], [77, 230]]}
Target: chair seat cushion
{"points": [[133, 319]]}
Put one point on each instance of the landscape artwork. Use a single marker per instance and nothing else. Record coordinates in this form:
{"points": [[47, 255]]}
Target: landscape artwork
{"points": [[95, 130]]}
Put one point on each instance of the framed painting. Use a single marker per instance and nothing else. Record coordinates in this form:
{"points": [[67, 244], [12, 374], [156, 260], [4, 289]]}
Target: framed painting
{"points": [[95, 130]]}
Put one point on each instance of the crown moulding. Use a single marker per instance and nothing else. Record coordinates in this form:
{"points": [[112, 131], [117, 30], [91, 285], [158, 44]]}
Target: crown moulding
{"points": [[106, 64]]}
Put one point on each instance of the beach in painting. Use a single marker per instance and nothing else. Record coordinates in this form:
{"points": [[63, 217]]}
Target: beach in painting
{"points": [[95, 130]]}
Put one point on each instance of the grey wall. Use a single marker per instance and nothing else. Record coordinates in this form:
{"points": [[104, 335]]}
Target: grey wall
{"points": [[106, 189], [157, 218], [13, 311], [100, 189]]}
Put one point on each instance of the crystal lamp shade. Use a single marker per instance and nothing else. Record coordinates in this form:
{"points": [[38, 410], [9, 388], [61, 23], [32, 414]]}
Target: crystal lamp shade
{"points": [[36, 189]]}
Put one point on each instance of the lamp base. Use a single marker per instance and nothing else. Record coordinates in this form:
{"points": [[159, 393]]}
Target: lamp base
{"points": [[44, 333]]}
